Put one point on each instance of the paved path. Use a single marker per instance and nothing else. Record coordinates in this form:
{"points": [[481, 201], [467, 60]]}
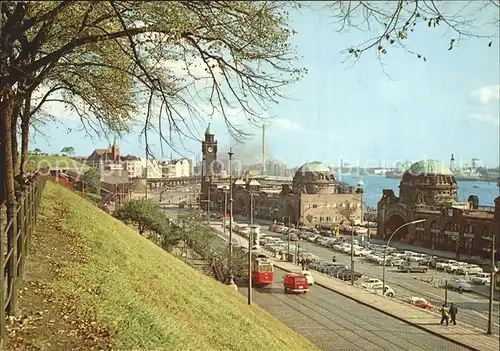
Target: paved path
{"points": [[333, 322], [425, 320]]}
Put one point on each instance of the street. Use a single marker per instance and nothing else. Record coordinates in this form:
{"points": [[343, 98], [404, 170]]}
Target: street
{"points": [[473, 308], [333, 322]]}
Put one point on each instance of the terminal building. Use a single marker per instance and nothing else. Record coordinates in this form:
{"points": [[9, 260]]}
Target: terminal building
{"points": [[428, 190], [313, 198]]}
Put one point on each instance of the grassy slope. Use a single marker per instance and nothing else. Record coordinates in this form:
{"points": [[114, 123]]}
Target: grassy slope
{"points": [[152, 299], [42, 161]]}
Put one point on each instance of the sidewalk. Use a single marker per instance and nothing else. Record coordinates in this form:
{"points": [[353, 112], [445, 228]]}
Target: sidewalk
{"points": [[462, 334]]}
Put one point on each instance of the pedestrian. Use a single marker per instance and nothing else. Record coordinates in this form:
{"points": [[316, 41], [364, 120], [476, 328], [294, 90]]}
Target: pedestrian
{"points": [[453, 313], [444, 314]]}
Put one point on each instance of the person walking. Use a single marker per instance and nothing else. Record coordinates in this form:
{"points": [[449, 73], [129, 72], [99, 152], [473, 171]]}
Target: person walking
{"points": [[444, 314], [453, 313]]}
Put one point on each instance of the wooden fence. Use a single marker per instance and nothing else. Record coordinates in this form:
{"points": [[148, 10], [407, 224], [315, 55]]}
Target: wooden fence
{"points": [[15, 239]]}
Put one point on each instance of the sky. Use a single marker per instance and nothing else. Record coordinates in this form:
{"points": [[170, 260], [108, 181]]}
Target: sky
{"points": [[365, 113]]}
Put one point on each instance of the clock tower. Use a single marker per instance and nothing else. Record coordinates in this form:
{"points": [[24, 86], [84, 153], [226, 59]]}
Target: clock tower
{"points": [[209, 164]]}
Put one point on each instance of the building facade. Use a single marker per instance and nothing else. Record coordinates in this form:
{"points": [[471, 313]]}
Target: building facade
{"points": [[314, 199], [428, 190], [177, 169], [100, 157]]}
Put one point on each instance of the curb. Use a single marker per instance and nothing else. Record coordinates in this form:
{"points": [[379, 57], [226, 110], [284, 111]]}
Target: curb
{"points": [[391, 315]]}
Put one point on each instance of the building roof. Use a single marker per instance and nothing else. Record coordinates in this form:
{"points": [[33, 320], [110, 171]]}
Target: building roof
{"points": [[429, 167], [239, 182], [254, 182], [314, 167], [102, 151], [209, 130]]}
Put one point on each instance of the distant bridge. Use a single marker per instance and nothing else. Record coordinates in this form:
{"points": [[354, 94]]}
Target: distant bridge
{"points": [[181, 181]]}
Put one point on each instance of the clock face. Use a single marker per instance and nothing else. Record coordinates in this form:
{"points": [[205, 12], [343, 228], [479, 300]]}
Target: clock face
{"points": [[210, 149]]}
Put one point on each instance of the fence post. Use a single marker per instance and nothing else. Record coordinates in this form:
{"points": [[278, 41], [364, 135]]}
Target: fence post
{"points": [[2, 288], [29, 213], [26, 223], [12, 262], [21, 254]]}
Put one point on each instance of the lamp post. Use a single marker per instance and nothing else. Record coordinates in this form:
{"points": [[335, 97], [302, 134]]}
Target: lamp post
{"points": [[253, 187], [225, 208], [387, 245], [492, 285], [230, 263]]}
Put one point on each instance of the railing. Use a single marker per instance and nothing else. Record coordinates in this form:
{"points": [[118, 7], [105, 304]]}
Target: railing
{"points": [[15, 237]]}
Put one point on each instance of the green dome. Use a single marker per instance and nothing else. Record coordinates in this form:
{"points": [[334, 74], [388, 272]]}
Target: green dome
{"points": [[209, 130], [430, 167], [314, 167]]}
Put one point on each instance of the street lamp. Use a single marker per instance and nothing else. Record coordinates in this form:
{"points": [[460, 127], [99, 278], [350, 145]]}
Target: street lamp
{"points": [[230, 263], [225, 208], [387, 245], [297, 226], [253, 187], [492, 284]]}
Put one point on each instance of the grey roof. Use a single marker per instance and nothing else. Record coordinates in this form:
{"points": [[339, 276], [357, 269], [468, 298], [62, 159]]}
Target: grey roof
{"points": [[430, 167]]}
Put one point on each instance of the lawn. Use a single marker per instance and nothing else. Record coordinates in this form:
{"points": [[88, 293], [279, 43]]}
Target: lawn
{"points": [[148, 298], [44, 161]]}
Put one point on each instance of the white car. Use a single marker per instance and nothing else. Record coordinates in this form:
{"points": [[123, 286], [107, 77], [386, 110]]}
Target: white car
{"points": [[309, 277], [389, 292], [454, 267], [459, 284], [469, 269], [481, 279], [370, 282], [442, 265]]}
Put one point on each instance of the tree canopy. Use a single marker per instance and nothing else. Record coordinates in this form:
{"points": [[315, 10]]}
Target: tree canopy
{"points": [[104, 59], [174, 62], [92, 180], [68, 151], [148, 217]]}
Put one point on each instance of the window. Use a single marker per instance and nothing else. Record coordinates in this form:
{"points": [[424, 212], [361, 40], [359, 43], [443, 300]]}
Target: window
{"points": [[328, 219], [321, 219], [315, 219]]}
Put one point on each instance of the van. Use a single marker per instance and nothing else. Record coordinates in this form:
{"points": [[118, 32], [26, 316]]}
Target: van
{"points": [[295, 282]]}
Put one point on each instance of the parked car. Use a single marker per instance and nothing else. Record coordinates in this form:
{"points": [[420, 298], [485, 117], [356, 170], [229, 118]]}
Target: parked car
{"points": [[481, 279], [443, 264], [388, 291], [411, 267], [469, 269], [420, 302], [309, 277], [459, 284], [346, 275], [370, 282], [453, 267]]}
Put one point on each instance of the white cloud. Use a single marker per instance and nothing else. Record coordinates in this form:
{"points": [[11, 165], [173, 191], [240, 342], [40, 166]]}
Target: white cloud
{"points": [[487, 94], [486, 118], [287, 125]]}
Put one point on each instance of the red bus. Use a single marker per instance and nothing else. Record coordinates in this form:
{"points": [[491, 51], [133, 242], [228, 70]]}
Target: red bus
{"points": [[262, 270]]}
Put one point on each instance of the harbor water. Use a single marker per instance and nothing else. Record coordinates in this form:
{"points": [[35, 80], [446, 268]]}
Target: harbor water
{"points": [[374, 184]]}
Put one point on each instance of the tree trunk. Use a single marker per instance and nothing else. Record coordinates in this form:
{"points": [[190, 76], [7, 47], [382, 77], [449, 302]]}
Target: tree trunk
{"points": [[16, 110], [7, 167], [25, 124]]}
